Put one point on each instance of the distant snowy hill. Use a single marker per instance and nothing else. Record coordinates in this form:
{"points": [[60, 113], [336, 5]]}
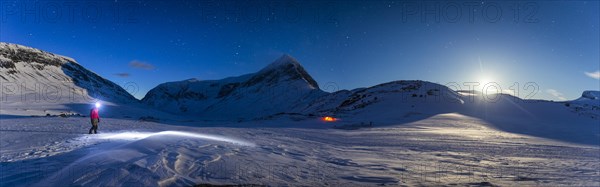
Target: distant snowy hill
{"points": [[593, 95], [282, 86], [587, 105], [389, 101]]}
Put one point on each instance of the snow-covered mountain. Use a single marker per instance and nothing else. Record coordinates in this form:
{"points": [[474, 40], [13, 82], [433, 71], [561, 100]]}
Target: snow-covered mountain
{"points": [[34, 80], [282, 86], [53, 78]]}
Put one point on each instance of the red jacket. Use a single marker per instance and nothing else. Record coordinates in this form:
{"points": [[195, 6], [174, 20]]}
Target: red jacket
{"points": [[94, 114]]}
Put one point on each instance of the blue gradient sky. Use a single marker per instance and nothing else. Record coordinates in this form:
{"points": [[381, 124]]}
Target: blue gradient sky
{"points": [[349, 44]]}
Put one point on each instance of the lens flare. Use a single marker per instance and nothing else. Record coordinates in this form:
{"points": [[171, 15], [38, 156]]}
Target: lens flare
{"points": [[98, 105]]}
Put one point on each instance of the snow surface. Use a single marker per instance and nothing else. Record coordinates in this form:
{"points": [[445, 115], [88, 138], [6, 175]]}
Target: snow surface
{"points": [[443, 149]]}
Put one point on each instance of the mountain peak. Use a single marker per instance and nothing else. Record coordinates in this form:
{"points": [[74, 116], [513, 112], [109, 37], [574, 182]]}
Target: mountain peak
{"points": [[192, 80], [287, 57], [286, 67], [282, 61]]}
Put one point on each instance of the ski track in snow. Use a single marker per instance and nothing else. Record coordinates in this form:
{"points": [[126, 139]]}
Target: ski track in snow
{"points": [[442, 150]]}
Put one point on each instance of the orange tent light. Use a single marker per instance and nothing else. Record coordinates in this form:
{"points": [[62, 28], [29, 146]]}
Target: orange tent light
{"points": [[329, 118]]}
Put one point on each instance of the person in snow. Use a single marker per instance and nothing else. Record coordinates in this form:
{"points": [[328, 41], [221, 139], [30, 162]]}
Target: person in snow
{"points": [[95, 118]]}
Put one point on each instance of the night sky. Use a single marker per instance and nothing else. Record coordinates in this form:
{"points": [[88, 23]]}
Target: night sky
{"points": [[349, 44]]}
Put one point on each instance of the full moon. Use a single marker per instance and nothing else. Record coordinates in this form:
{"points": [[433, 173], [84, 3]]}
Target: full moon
{"points": [[484, 81]]}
